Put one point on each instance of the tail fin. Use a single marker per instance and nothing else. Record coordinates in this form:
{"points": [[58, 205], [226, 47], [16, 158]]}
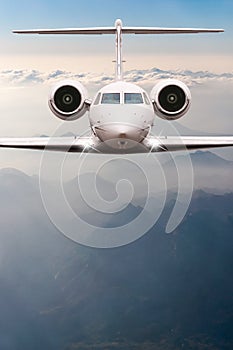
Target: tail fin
{"points": [[118, 30]]}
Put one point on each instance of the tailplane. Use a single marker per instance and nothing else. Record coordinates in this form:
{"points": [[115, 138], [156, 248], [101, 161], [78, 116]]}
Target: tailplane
{"points": [[118, 30]]}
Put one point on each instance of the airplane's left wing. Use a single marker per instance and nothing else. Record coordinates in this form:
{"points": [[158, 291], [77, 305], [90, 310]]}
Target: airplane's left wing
{"points": [[172, 143]]}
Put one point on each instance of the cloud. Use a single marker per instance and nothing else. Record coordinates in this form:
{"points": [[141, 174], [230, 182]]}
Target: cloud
{"points": [[27, 77], [146, 77], [191, 78]]}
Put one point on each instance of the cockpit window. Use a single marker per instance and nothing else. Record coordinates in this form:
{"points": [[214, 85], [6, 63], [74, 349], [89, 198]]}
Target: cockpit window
{"points": [[132, 98], [112, 98], [146, 98], [97, 100]]}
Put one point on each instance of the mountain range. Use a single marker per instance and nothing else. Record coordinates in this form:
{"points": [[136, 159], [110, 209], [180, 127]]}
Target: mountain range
{"points": [[164, 292]]}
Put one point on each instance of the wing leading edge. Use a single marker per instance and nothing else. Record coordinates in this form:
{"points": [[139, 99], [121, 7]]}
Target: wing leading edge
{"points": [[90, 144]]}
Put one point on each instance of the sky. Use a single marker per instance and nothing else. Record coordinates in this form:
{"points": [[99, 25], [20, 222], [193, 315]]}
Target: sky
{"points": [[29, 65], [66, 51]]}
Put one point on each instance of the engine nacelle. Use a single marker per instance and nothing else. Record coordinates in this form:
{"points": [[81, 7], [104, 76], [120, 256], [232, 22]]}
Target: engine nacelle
{"points": [[67, 100], [171, 99]]}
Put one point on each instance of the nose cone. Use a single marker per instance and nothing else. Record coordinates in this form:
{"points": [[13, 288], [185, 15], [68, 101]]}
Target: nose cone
{"points": [[120, 136], [108, 132]]}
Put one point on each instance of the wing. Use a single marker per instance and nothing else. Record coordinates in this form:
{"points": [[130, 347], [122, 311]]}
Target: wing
{"points": [[170, 143], [91, 145], [61, 144]]}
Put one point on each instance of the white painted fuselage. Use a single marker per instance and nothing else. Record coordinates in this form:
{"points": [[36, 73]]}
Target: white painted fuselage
{"points": [[122, 111]]}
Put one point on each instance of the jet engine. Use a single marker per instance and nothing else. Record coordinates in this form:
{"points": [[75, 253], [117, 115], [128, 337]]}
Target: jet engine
{"points": [[171, 99], [68, 99]]}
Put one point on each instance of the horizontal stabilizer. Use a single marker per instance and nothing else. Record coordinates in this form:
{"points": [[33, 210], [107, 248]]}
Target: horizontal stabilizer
{"points": [[124, 30], [152, 30], [106, 30]]}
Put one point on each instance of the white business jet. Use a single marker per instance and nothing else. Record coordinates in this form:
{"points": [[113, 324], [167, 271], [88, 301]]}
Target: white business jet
{"points": [[121, 114]]}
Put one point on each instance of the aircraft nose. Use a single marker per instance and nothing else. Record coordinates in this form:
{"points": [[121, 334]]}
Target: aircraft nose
{"points": [[123, 132]]}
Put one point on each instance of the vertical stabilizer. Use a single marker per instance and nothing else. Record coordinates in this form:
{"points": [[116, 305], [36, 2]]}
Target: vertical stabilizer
{"points": [[119, 70]]}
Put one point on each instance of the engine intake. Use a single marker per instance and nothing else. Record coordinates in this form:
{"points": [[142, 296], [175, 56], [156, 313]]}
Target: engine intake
{"points": [[171, 99], [67, 100]]}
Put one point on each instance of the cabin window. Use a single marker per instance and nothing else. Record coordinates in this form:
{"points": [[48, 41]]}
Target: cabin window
{"points": [[132, 98], [111, 98]]}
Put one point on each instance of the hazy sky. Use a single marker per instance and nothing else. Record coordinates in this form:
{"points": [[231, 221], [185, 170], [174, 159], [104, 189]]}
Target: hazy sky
{"points": [[77, 52]]}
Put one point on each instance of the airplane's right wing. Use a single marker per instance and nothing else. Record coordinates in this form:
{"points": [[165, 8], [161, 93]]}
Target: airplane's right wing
{"points": [[60, 144]]}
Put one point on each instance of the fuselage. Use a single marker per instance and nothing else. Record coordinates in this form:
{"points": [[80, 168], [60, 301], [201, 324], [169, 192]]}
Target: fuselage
{"points": [[122, 111]]}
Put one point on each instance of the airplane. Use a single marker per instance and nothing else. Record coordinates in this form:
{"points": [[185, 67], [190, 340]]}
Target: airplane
{"points": [[121, 114]]}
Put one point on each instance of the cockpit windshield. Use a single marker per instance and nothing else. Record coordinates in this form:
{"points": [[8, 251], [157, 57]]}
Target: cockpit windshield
{"points": [[132, 98], [111, 98], [115, 98]]}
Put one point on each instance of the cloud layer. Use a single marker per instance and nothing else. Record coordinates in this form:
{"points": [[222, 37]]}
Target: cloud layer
{"points": [[144, 77]]}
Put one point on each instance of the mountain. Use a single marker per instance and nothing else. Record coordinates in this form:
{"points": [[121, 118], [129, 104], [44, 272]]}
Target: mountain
{"points": [[164, 292], [208, 158], [210, 172]]}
